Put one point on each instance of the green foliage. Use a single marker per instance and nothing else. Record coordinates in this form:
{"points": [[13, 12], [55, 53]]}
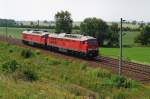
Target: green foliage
{"points": [[30, 75], [113, 36], [10, 66], [54, 62], [26, 53], [119, 82], [122, 82], [66, 63], [9, 22], [10, 50], [102, 73], [96, 28], [63, 22], [37, 52], [144, 37]]}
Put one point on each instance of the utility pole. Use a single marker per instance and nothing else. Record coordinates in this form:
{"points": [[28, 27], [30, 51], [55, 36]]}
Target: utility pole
{"points": [[6, 30], [120, 61], [38, 24]]}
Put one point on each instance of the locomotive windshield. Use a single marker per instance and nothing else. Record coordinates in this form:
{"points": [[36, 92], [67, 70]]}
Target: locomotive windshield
{"points": [[92, 42]]}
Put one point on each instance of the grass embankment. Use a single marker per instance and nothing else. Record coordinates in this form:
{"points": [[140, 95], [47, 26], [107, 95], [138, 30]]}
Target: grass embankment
{"points": [[25, 74]]}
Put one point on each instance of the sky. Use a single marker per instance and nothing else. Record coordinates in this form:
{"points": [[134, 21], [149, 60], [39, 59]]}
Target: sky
{"points": [[108, 10]]}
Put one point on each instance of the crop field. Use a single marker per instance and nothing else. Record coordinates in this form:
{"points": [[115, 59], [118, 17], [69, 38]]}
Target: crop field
{"points": [[128, 38], [28, 74]]}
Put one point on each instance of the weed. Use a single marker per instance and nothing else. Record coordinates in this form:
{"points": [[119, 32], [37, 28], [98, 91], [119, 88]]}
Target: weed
{"points": [[10, 66], [66, 63], [54, 62], [37, 52], [102, 73], [10, 50], [83, 66], [26, 53], [30, 75], [122, 82], [120, 96]]}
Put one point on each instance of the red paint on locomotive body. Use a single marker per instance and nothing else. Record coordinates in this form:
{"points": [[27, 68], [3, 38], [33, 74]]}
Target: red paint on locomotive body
{"points": [[75, 43], [61, 41], [38, 37]]}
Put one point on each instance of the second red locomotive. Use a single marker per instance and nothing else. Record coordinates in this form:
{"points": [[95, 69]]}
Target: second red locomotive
{"points": [[68, 43]]}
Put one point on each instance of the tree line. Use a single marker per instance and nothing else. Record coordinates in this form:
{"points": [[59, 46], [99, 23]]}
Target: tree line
{"points": [[7, 22]]}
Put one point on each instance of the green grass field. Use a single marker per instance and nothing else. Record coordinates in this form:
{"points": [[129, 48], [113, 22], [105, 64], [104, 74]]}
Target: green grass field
{"points": [[136, 54], [28, 74]]}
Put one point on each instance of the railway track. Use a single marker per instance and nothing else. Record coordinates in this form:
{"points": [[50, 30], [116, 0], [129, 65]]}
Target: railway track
{"points": [[133, 70]]}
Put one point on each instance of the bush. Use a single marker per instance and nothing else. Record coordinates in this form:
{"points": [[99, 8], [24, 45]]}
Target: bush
{"points": [[10, 66], [30, 75], [119, 81], [37, 52], [122, 82], [26, 53], [144, 37], [10, 50]]}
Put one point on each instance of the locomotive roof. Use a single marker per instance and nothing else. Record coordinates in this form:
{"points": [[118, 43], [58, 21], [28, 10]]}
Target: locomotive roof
{"points": [[35, 32], [61, 35], [71, 36]]}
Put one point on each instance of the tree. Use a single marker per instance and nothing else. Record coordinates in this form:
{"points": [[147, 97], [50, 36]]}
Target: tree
{"points": [[96, 28], [134, 22], [113, 37], [144, 37], [9, 22], [31, 24], [63, 22]]}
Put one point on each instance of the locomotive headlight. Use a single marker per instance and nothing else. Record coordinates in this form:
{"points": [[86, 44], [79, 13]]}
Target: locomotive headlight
{"points": [[90, 49], [96, 48]]}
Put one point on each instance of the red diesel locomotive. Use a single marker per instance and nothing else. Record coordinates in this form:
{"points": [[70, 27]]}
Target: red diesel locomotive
{"points": [[68, 43]]}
